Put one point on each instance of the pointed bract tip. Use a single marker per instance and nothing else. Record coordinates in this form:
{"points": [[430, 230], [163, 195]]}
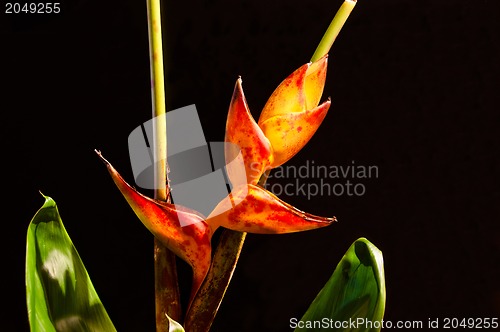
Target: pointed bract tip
{"points": [[104, 160], [243, 131], [239, 84]]}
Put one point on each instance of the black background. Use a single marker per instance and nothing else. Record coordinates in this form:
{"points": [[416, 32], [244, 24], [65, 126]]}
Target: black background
{"points": [[415, 91]]}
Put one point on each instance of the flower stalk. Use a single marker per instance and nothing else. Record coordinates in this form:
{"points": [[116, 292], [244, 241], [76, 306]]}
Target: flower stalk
{"points": [[167, 298], [334, 29]]}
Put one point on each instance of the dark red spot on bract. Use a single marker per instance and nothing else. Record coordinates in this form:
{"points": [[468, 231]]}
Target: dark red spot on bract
{"points": [[189, 230], [257, 204]]}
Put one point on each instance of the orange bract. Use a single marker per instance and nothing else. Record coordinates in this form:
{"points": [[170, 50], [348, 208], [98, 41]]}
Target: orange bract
{"points": [[255, 210], [289, 133], [315, 82], [243, 131], [291, 115]]}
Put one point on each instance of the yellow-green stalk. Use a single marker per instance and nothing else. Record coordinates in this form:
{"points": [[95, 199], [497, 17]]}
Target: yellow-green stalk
{"points": [[166, 284], [334, 29]]}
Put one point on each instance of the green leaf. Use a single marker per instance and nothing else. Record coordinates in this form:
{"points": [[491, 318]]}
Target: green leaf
{"points": [[59, 293], [354, 297], [173, 326]]}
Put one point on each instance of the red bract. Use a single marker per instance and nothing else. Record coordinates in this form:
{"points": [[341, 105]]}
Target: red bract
{"points": [[243, 131], [190, 242], [255, 210], [289, 119]]}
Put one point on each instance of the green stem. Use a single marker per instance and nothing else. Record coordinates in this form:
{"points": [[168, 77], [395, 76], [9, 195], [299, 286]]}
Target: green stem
{"points": [[333, 29], [166, 284]]}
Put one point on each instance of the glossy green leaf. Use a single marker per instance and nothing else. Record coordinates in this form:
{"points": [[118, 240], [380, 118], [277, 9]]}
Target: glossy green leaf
{"points": [[354, 297], [59, 293]]}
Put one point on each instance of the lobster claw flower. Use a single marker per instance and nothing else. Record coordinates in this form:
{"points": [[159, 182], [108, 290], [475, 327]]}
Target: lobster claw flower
{"points": [[244, 132], [291, 115], [165, 221], [289, 119], [255, 210]]}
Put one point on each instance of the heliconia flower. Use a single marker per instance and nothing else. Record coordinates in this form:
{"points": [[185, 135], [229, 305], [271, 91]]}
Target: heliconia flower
{"points": [[190, 242], [291, 115], [243, 131], [259, 211], [288, 121]]}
